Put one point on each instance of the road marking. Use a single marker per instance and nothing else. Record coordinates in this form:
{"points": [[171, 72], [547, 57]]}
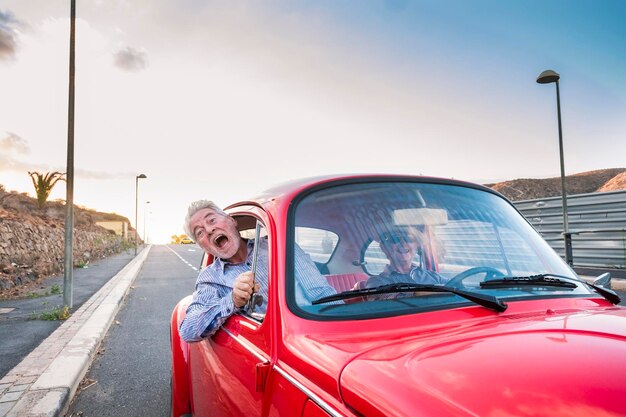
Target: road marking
{"points": [[6, 310], [181, 258]]}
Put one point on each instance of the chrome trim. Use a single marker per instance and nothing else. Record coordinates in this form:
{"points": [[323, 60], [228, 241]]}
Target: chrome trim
{"points": [[317, 400], [255, 257], [256, 319], [245, 346]]}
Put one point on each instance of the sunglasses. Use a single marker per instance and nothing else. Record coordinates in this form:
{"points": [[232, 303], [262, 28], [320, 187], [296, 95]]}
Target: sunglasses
{"points": [[397, 238]]}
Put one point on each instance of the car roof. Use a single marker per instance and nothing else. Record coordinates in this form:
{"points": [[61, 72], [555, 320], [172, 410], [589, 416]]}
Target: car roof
{"points": [[286, 191]]}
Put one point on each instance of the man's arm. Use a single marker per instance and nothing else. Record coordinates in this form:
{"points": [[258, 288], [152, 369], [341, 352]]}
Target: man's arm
{"points": [[212, 304], [206, 313], [312, 284]]}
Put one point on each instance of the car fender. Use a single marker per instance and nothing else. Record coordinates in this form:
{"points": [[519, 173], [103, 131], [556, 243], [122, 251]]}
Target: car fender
{"points": [[180, 400]]}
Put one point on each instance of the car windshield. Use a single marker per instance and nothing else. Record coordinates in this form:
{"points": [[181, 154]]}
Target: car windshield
{"points": [[365, 237]]}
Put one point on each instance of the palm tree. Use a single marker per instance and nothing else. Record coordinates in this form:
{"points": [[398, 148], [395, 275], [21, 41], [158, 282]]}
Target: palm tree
{"points": [[44, 184]]}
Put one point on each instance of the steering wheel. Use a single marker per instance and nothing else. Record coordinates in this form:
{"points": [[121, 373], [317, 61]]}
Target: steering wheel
{"points": [[490, 273]]}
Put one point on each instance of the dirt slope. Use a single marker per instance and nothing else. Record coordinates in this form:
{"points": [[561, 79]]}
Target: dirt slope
{"points": [[611, 179]]}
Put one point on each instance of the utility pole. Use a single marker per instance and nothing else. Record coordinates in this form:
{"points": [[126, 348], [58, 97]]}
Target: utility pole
{"points": [[69, 173]]}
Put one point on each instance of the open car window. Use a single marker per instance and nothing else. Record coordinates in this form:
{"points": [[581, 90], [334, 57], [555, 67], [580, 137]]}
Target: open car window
{"points": [[247, 226], [416, 232]]}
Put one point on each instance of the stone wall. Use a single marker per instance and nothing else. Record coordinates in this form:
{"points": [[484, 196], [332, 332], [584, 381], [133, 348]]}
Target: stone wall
{"points": [[32, 248]]}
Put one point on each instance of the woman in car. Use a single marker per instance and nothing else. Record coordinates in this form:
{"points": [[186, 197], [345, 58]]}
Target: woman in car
{"points": [[400, 245]]}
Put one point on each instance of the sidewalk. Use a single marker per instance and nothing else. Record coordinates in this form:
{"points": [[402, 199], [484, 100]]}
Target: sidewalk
{"points": [[43, 383]]}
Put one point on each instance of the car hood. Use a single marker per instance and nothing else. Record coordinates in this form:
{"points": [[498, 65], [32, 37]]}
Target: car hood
{"points": [[551, 365]]}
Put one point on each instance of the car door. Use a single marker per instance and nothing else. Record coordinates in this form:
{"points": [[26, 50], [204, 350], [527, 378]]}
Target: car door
{"points": [[229, 369]]}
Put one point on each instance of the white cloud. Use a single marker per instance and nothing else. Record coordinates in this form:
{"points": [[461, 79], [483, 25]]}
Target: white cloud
{"points": [[12, 142], [130, 59], [8, 35]]}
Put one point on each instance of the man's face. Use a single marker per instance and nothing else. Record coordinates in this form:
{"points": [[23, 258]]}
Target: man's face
{"points": [[215, 233], [400, 249]]}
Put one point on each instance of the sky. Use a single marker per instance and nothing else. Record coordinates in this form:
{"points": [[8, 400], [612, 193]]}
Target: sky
{"points": [[221, 100]]}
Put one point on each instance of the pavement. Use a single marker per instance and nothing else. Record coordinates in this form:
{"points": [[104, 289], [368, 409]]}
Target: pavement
{"points": [[46, 379]]}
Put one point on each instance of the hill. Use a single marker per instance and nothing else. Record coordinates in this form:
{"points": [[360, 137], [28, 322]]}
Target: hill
{"points": [[32, 240], [600, 180]]}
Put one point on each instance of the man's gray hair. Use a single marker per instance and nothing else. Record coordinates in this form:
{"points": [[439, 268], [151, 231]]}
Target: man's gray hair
{"points": [[195, 207]]}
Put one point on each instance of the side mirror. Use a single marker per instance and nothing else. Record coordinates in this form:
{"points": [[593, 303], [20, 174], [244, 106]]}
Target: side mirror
{"points": [[603, 280]]}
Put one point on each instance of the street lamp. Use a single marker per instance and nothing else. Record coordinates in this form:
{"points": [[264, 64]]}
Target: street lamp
{"points": [[547, 77], [145, 214], [142, 176], [68, 268]]}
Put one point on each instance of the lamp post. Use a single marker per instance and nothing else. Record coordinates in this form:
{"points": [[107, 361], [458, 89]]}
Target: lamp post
{"points": [[547, 77], [142, 176], [68, 274], [145, 214]]}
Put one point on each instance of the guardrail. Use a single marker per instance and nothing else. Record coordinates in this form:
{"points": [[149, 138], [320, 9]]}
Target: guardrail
{"points": [[597, 224]]}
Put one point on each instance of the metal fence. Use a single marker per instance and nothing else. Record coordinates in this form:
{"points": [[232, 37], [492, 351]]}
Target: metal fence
{"points": [[597, 222]]}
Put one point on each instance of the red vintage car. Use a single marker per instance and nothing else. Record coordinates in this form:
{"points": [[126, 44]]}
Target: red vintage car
{"points": [[488, 321]]}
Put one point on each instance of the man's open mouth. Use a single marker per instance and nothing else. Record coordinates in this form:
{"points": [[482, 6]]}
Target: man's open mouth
{"points": [[220, 241]]}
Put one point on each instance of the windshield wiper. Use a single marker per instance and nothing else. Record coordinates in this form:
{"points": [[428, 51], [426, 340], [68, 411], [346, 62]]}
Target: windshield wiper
{"points": [[484, 300], [533, 280], [551, 280], [607, 293]]}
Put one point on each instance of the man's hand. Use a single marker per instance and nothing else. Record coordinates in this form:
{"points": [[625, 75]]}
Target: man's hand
{"points": [[242, 288]]}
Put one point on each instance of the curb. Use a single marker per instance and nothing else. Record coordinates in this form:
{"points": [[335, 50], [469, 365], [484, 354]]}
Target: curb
{"points": [[45, 382]]}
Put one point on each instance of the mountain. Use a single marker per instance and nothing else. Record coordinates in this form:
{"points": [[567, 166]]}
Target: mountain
{"points": [[32, 241], [600, 180]]}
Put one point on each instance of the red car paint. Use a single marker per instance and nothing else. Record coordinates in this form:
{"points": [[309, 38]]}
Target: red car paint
{"points": [[546, 355]]}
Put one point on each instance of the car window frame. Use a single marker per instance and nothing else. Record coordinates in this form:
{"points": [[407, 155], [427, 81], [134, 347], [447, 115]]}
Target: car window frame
{"points": [[290, 238]]}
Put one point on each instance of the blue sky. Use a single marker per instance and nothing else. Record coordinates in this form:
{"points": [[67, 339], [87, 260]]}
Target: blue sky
{"points": [[197, 94]]}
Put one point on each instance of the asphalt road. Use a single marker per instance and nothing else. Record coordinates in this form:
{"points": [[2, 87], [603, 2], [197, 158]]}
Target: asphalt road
{"points": [[132, 370]]}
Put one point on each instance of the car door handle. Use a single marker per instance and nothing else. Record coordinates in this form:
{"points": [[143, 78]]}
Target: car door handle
{"points": [[262, 369]]}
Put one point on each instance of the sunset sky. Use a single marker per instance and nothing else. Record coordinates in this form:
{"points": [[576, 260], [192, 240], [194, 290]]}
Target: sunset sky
{"points": [[223, 99]]}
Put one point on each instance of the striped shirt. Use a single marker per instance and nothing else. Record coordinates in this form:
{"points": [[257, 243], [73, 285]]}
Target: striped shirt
{"points": [[212, 301]]}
